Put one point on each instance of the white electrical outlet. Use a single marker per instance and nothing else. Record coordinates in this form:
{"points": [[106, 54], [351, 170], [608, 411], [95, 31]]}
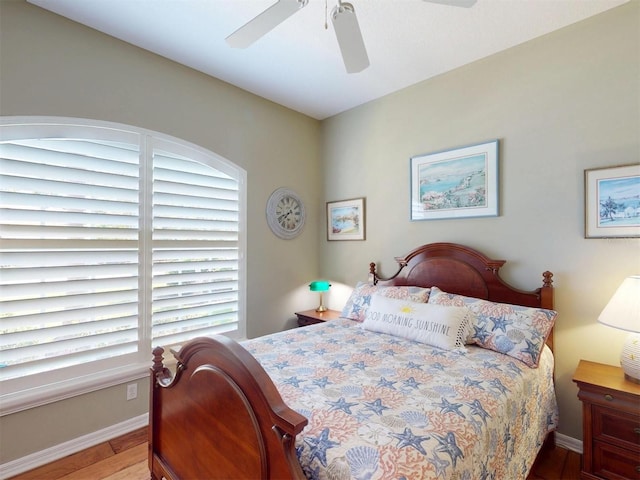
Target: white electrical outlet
{"points": [[132, 391]]}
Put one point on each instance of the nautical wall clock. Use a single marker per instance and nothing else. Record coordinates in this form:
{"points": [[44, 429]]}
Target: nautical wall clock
{"points": [[285, 213]]}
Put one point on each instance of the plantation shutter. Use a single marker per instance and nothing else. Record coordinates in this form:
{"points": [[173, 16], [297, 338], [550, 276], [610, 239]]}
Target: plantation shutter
{"points": [[69, 254], [113, 240], [195, 254]]}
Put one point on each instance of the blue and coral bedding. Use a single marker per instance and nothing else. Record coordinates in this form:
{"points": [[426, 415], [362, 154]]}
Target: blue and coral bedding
{"points": [[383, 407]]}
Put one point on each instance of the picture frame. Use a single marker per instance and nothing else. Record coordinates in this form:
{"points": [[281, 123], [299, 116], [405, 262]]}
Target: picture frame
{"points": [[346, 219], [456, 183], [612, 202]]}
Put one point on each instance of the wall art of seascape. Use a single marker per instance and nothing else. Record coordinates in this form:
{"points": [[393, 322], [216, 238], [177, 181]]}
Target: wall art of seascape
{"points": [[458, 183]]}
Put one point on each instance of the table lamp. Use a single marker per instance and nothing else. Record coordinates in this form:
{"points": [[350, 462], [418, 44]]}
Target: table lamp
{"points": [[320, 286], [623, 312]]}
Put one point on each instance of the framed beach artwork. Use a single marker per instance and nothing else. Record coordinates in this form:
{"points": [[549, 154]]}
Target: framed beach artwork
{"points": [[457, 183], [345, 220], [612, 202]]}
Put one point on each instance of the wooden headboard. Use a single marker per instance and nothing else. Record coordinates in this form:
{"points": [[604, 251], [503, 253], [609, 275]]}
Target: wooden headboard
{"points": [[462, 270]]}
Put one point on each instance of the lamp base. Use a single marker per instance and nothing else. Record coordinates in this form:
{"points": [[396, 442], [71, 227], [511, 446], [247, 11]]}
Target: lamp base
{"points": [[630, 358], [321, 308]]}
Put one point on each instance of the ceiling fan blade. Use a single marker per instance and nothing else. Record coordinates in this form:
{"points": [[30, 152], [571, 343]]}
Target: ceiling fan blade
{"points": [[264, 23], [345, 24], [455, 3]]}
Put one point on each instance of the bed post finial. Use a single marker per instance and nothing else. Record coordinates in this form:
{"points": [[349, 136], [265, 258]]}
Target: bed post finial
{"points": [[158, 366], [373, 278], [547, 280]]}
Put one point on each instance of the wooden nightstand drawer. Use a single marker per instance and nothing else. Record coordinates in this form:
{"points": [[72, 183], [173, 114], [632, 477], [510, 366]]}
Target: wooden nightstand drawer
{"points": [[616, 463], [610, 422], [615, 427]]}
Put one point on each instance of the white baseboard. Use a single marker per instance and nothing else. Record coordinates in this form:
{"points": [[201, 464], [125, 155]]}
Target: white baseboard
{"points": [[76, 445], [569, 443]]}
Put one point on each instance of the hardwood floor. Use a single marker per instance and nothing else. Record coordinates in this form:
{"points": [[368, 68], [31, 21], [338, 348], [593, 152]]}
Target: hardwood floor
{"points": [[556, 464], [125, 458]]}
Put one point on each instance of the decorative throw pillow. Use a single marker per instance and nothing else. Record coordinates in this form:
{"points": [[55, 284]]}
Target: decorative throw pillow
{"points": [[520, 332], [360, 299], [436, 325]]}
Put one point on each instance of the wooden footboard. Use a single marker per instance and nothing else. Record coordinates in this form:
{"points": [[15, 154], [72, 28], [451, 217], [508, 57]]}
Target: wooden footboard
{"points": [[219, 417]]}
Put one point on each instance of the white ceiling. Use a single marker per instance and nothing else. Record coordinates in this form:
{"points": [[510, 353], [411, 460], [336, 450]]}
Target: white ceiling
{"points": [[298, 64]]}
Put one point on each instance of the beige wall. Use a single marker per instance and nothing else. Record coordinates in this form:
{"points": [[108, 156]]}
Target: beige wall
{"points": [[560, 104], [52, 66]]}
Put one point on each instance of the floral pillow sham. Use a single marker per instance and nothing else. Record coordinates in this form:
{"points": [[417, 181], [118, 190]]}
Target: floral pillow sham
{"points": [[517, 331], [360, 299]]}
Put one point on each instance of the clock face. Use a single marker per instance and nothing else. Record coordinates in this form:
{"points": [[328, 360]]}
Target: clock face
{"points": [[288, 213], [285, 213]]}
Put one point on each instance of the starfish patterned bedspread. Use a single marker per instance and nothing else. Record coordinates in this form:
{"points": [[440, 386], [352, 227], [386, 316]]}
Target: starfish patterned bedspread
{"points": [[380, 407]]}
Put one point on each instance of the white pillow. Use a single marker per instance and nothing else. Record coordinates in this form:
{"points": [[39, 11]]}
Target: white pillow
{"points": [[436, 325]]}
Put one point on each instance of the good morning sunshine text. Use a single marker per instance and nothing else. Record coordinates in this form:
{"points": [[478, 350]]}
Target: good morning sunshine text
{"points": [[418, 324]]}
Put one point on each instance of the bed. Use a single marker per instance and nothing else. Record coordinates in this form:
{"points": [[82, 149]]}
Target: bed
{"points": [[377, 394]]}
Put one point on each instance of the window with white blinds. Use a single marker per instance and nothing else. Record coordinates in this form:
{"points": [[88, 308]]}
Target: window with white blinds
{"points": [[195, 250], [113, 240]]}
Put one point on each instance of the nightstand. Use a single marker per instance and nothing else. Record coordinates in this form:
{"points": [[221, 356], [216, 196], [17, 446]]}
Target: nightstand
{"points": [[610, 422], [309, 317]]}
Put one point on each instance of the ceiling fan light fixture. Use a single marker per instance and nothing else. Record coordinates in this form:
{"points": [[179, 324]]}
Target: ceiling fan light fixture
{"points": [[345, 24], [343, 18]]}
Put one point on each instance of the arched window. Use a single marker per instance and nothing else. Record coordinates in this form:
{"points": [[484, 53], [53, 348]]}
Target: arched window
{"points": [[113, 240]]}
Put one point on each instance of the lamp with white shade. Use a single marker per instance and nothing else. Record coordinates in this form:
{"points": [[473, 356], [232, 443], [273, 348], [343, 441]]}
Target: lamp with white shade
{"points": [[623, 312]]}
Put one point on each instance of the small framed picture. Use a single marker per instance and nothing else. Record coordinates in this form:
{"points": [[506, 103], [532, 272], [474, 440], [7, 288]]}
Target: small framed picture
{"points": [[457, 183], [345, 220], [612, 202]]}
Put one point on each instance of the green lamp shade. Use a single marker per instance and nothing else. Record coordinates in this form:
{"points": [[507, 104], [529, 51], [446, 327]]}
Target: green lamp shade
{"points": [[319, 286]]}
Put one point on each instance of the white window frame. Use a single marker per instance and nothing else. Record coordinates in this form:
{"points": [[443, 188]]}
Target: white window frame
{"points": [[55, 387]]}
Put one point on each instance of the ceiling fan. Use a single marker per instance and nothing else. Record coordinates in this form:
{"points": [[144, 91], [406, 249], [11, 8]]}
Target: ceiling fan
{"points": [[345, 24]]}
